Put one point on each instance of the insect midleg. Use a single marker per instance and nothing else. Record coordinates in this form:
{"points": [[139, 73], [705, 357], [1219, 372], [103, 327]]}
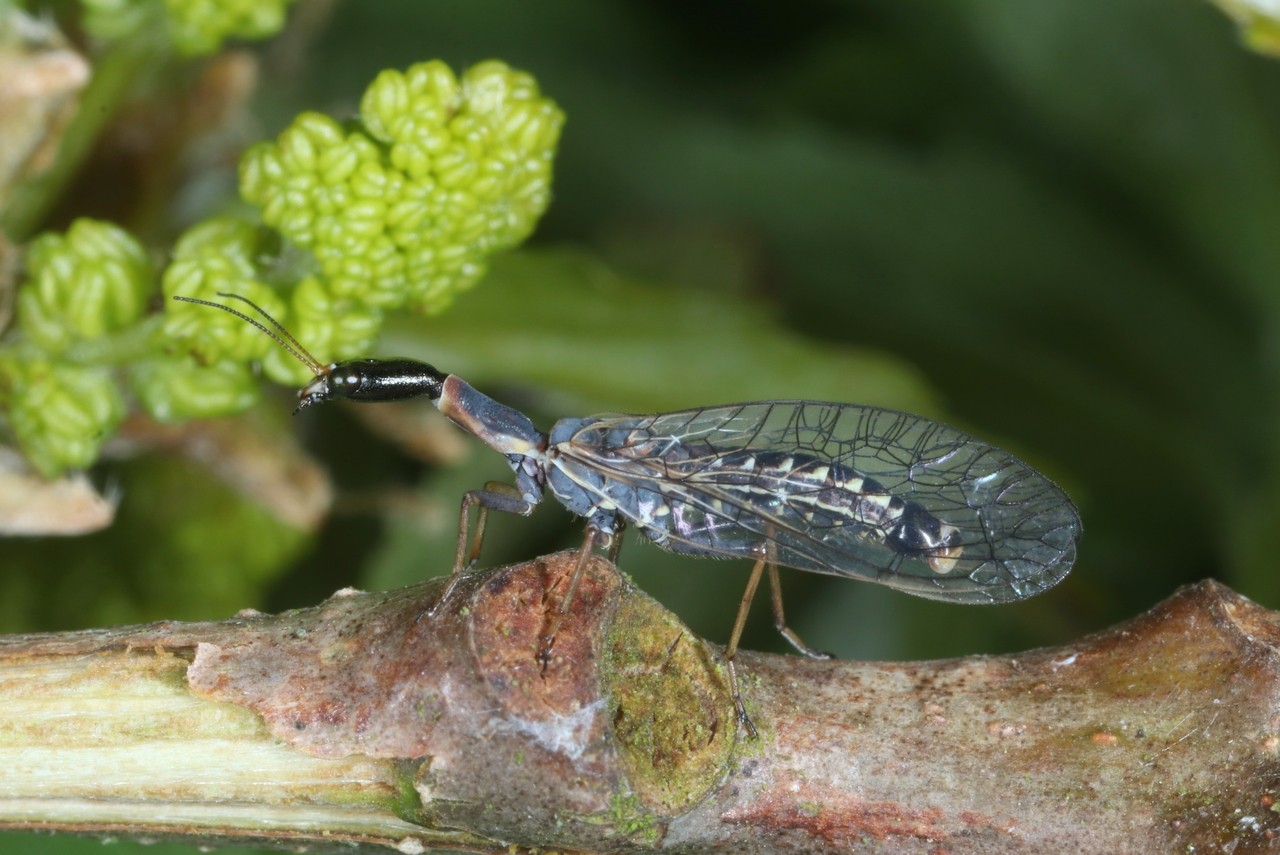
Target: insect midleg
{"points": [[764, 552], [780, 620], [615, 548], [584, 555]]}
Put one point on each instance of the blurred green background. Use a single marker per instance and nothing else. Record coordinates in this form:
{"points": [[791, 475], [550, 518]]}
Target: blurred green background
{"points": [[1054, 224]]}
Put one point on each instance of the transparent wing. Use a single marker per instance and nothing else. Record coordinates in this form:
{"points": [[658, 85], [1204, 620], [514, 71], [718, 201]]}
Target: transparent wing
{"points": [[1011, 532]]}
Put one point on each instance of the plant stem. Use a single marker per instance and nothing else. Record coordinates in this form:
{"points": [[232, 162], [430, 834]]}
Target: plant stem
{"points": [[413, 722], [114, 75]]}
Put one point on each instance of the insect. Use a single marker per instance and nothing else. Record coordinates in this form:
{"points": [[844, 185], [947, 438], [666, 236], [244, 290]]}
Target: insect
{"points": [[830, 488]]}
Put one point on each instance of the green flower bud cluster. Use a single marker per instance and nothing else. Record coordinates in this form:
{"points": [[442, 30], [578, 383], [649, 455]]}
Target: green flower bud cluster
{"points": [[223, 256], [200, 26], [84, 284], [62, 412], [210, 373], [402, 209], [407, 206], [218, 256], [194, 27], [81, 311], [82, 288]]}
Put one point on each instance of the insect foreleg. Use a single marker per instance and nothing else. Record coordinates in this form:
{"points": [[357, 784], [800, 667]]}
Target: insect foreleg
{"points": [[497, 496]]}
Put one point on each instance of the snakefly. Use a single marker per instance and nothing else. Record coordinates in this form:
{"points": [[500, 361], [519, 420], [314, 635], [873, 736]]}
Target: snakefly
{"points": [[829, 488]]}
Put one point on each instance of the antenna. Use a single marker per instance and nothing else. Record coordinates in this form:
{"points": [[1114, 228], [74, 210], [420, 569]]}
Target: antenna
{"points": [[285, 338]]}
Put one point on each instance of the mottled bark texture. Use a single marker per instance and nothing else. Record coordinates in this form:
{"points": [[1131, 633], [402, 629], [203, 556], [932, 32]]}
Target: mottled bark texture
{"points": [[405, 721]]}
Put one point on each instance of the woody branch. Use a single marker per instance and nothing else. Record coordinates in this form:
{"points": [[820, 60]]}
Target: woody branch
{"points": [[398, 720]]}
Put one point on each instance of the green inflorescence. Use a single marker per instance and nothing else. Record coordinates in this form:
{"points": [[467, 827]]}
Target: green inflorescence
{"points": [[83, 286], [90, 281], [200, 26], [193, 27], [65, 413], [402, 208], [406, 206]]}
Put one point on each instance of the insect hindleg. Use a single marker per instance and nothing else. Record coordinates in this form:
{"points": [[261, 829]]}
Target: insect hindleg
{"points": [[780, 620], [764, 554], [766, 559]]}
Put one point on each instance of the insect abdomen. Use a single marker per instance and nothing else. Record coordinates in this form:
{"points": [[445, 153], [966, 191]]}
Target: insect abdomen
{"points": [[818, 494], [718, 503]]}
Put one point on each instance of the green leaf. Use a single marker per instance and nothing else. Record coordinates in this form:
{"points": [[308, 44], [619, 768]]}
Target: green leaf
{"points": [[567, 324]]}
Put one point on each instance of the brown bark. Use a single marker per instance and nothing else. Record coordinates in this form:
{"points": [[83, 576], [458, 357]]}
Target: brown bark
{"points": [[401, 720]]}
